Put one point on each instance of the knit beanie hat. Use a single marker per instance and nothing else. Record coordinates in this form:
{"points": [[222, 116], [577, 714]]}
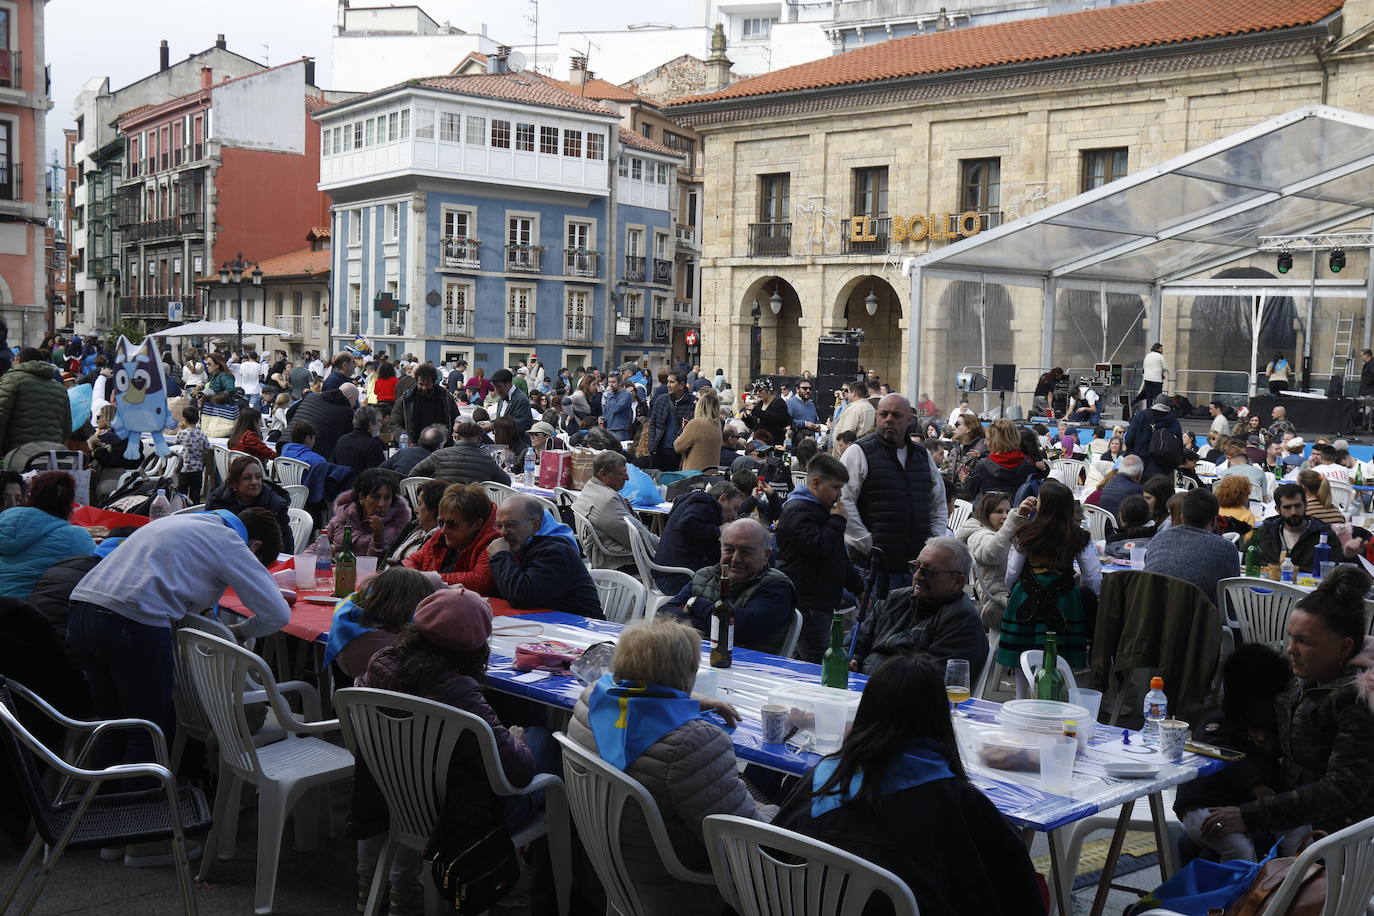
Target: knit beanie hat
{"points": [[454, 619]]}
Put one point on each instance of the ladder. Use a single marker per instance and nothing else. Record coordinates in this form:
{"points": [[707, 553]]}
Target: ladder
{"points": [[1340, 347]]}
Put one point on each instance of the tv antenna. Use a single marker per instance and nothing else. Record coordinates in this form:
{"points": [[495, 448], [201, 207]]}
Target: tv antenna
{"points": [[533, 19]]}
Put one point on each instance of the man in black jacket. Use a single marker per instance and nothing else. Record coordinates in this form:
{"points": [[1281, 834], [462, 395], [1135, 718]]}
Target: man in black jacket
{"points": [[424, 405], [933, 616], [463, 462], [515, 404], [691, 536], [668, 414], [431, 439], [360, 449], [1295, 532], [330, 412], [768, 412], [343, 368], [811, 552], [539, 570]]}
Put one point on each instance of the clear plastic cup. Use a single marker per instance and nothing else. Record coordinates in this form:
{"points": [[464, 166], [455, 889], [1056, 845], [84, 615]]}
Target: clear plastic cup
{"points": [[305, 570], [366, 566], [1138, 556], [1092, 701], [1056, 763], [831, 719]]}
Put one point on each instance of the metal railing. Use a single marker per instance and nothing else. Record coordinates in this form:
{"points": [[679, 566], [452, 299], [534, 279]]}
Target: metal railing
{"points": [[877, 237], [581, 263], [770, 240], [293, 325], [686, 236], [462, 253], [165, 227], [523, 259], [634, 267], [663, 272], [12, 69], [458, 323], [1200, 386], [577, 327], [520, 325], [660, 330], [685, 311], [636, 328], [192, 306]]}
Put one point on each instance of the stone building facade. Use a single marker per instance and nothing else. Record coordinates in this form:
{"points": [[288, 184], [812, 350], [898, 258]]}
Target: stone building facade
{"points": [[821, 178]]}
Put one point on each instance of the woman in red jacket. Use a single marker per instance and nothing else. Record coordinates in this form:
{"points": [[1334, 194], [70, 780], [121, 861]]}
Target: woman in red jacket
{"points": [[457, 550], [244, 436], [384, 388]]}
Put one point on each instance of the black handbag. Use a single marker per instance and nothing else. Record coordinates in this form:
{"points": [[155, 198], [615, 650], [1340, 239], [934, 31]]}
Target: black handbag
{"points": [[474, 867]]}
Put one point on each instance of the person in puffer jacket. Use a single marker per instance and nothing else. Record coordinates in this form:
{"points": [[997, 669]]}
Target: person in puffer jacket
{"points": [[33, 404], [688, 769], [376, 511], [988, 535], [35, 537], [1004, 469]]}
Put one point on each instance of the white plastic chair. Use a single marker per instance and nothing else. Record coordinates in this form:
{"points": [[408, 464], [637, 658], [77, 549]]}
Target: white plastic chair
{"points": [[289, 471], [1259, 606], [827, 881], [963, 510], [1341, 493], [302, 526], [1233, 537], [198, 507], [1068, 471], [282, 772], [597, 797], [622, 597], [410, 488], [498, 492], [1032, 660], [1099, 520], [600, 554], [407, 744], [647, 567], [1206, 469], [1349, 859], [1186, 483], [299, 493], [789, 642], [222, 455]]}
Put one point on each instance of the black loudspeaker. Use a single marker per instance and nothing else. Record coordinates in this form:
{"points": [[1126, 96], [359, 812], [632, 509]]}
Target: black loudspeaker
{"points": [[1003, 377], [1336, 387]]}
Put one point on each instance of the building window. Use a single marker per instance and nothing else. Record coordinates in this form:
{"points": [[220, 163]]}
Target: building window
{"points": [[870, 192], [980, 185], [622, 167], [450, 127], [9, 175], [634, 305], [520, 312], [457, 224], [636, 169], [424, 124], [393, 221], [520, 230], [457, 316], [1103, 166], [646, 130], [572, 143], [358, 135], [774, 197], [327, 143], [548, 140], [355, 309], [370, 132], [663, 172], [500, 134], [596, 146], [355, 227], [393, 126], [405, 123], [757, 29], [524, 137], [661, 245], [577, 316]]}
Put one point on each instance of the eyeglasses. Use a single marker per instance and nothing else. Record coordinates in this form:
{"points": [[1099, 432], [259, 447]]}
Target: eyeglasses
{"points": [[921, 569], [803, 387], [448, 523]]}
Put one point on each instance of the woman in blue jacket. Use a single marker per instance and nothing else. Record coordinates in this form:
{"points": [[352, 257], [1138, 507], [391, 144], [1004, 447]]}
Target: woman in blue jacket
{"points": [[35, 537]]}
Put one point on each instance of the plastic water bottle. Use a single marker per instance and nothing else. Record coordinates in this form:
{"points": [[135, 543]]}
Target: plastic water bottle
{"points": [[160, 507], [1156, 708], [1286, 569], [1321, 556], [324, 562], [529, 467], [404, 440]]}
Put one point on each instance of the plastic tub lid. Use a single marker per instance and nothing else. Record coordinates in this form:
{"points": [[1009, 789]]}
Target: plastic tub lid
{"points": [[1045, 711]]}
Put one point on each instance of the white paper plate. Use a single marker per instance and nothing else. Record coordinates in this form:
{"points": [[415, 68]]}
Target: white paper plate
{"points": [[1129, 770]]}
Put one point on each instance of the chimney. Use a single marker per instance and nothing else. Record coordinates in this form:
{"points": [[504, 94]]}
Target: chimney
{"points": [[577, 71], [310, 73], [219, 42], [718, 65], [164, 56], [942, 23], [500, 61], [207, 77]]}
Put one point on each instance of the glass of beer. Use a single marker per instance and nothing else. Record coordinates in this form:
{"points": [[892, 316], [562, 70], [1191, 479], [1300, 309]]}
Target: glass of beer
{"points": [[957, 684]]}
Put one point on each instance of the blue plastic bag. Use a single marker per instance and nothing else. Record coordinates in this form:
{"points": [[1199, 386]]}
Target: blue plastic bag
{"points": [[80, 398], [640, 489], [1204, 885]]}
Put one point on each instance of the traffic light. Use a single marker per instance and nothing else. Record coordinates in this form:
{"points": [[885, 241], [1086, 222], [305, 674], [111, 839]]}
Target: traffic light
{"points": [[1337, 261], [1285, 262]]}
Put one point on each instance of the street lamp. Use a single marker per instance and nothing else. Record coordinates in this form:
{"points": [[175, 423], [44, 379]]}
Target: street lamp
{"points": [[231, 274], [871, 303], [775, 302]]}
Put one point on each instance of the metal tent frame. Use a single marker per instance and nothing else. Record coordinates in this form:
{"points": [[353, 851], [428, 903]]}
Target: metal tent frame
{"points": [[1158, 231]]}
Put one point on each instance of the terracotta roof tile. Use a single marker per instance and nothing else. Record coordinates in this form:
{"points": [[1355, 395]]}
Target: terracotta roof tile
{"points": [[1116, 28], [317, 232], [639, 141], [314, 103], [133, 111], [601, 90], [299, 263], [526, 88]]}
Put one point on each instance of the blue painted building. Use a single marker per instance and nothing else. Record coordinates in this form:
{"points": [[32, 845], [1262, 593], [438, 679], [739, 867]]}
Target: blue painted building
{"points": [[494, 216]]}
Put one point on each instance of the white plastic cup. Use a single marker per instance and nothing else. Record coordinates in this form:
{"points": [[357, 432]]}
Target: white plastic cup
{"points": [[1056, 763], [366, 566], [774, 723], [305, 570], [1092, 701], [1138, 557], [708, 682], [831, 719], [1173, 734]]}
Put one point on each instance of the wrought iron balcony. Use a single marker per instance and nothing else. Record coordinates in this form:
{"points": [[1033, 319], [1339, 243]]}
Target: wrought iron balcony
{"points": [[520, 325], [770, 240], [661, 330], [578, 262], [577, 327], [525, 259], [192, 306], [634, 268], [458, 323], [636, 328], [166, 227], [876, 235], [663, 272], [462, 253], [293, 325], [12, 69], [685, 311]]}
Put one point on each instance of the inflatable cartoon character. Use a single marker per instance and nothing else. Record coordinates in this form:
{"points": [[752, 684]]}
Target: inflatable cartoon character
{"points": [[140, 398]]}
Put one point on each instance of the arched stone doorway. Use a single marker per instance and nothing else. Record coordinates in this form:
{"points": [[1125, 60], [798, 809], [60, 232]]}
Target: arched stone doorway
{"points": [[1219, 335], [773, 308], [883, 345]]}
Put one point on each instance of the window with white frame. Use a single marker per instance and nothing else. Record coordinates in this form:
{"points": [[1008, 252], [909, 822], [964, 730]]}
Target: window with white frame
{"points": [[500, 133], [355, 309], [457, 309], [405, 123], [476, 131], [634, 243], [757, 29], [370, 132], [661, 173], [355, 227], [548, 140], [457, 224], [596, 146], [622, 167], [577, 315], [520, 230], [579, 236], [634, 305], [393, 127], [636, 168], [660, 306], [397, 325], [661, 245], [357, 134], [450, 126], [327, 143], [520, 312], [393, 222], [524, 137], [424, 124], [572, 143]]}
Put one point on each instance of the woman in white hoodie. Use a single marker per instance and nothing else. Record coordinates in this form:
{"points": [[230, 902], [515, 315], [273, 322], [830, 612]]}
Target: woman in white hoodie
{"points": [[988, 535]]}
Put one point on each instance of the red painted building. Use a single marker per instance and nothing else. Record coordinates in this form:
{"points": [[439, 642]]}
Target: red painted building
{"points": [[229, 168]]}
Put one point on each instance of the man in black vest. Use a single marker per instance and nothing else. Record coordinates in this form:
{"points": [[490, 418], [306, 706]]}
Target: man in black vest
{"points": [[895, 497]]}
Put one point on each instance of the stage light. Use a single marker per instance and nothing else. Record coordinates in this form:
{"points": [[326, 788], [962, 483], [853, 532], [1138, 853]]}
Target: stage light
{"points": [[1285, 262], [1337, 261]]}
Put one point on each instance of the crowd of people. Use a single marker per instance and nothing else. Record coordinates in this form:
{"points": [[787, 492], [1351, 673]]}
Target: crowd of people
{"points": [[785, 509]]}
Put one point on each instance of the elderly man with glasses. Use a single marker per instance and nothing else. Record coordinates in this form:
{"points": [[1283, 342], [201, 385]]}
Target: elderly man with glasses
{"points": [[535, 562], [934, 616]]}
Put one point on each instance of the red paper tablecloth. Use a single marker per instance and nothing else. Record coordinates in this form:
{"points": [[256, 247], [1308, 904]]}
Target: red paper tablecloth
{"points": [[310, 620], [86, 516]]}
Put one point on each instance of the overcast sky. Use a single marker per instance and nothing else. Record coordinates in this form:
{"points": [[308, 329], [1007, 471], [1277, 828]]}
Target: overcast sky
{"points": [[120, 38]]}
